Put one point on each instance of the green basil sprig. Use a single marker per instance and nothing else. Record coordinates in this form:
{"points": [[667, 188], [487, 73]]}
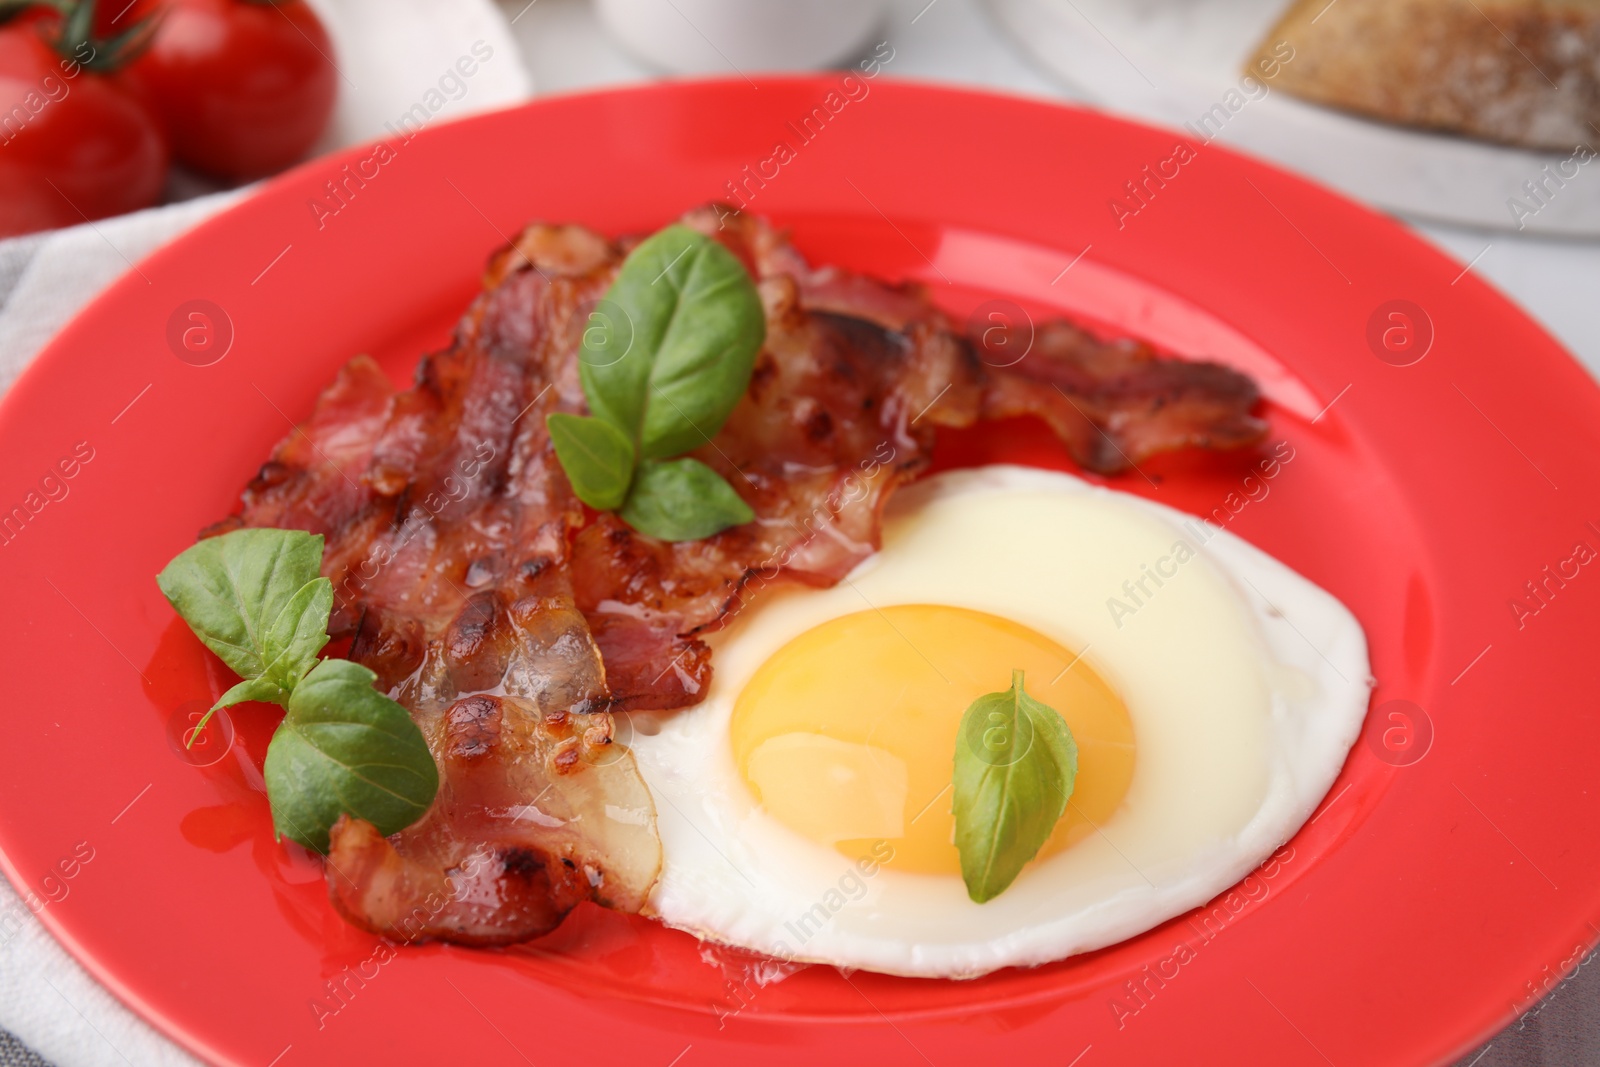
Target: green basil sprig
{"points": [[683, 500], [257, 599], [667, 355], [597, 457], [345, 747], [1015, 766]]}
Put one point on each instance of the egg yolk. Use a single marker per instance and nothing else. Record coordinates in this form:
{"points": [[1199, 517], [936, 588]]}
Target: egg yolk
{"points": [[847, 734]]}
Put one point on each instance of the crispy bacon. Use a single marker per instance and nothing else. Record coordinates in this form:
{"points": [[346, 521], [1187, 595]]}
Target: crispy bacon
{"points": [[1116, 403], [512, 624], [448, 525]]}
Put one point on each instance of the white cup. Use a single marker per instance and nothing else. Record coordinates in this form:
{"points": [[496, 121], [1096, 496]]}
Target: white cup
{"points": [[743, 36]]}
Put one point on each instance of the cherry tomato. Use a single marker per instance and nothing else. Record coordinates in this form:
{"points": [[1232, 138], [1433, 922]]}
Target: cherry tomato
{"points": [[74, 143], [245, 87]]}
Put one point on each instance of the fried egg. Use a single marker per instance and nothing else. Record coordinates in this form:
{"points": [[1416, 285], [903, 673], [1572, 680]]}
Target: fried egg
{"points": [[805, 805]]}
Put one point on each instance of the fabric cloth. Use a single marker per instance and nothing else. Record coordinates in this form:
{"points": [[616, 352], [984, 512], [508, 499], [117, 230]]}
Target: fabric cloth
{"points": [[14, 1053], [394, 57]]}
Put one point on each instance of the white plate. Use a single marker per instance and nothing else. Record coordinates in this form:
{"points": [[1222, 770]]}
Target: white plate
{"points": [[1170, 61]]}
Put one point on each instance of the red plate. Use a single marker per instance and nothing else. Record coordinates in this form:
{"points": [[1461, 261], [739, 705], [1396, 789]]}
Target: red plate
{"points": [[1448, 878]]}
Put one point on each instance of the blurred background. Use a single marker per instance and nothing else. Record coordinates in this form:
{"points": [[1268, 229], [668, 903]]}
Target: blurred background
{"points": [[125, 122]]}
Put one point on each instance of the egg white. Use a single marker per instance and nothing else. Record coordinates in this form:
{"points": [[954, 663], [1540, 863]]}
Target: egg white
{"points": [[1246, 685]]}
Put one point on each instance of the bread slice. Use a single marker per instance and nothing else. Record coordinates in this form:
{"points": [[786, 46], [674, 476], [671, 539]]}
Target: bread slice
{"points": [[1522, 72]]}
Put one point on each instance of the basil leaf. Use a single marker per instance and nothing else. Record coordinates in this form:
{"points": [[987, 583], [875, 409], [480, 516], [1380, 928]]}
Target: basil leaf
{"points": [[670, 373], [683, 500], [597, 457], [298, 634], [345, 748], [249, 689], [232, 590], [255, 597], [1015, 766]]}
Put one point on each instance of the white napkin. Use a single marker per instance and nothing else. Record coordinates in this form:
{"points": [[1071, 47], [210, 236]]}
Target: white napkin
{"points": [[392, 55]]}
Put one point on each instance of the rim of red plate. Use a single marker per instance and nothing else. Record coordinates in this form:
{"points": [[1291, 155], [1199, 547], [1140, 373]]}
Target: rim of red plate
{"points": [[1441, 462]]}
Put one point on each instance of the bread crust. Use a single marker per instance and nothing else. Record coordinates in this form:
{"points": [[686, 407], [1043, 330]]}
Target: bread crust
{"points": [[1521, 72]]}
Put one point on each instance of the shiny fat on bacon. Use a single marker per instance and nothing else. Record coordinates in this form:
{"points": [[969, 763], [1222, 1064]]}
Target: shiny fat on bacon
{"points": [[513, 624]]}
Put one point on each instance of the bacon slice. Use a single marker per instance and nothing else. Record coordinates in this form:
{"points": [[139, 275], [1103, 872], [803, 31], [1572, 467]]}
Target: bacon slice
{"points": [[1116, 403], [842, 407], [513, 624], [448, 525]]}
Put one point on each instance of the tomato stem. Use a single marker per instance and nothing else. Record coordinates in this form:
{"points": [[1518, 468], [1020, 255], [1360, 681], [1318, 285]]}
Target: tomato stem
{"points": [[75, 40]]}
